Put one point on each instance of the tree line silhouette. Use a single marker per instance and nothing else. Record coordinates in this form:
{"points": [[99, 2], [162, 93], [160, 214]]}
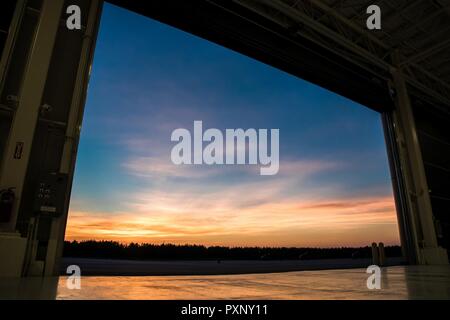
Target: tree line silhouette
{"points": [[147, 251]]}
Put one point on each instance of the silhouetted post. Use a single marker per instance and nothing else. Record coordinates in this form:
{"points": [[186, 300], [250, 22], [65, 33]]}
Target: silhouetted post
{"points": [[381, 254], [375, 254]]}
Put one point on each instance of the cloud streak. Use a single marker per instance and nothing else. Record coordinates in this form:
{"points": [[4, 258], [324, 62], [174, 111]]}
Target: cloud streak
{"points": [[299, 223], [252, 210]]}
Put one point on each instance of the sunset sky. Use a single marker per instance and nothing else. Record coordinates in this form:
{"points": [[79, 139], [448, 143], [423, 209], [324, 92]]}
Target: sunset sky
{"points": [[333, 186]]}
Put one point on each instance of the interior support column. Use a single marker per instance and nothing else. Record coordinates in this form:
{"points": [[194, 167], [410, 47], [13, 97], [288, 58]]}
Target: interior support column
{"points": [[414, 174], [67, 165]]}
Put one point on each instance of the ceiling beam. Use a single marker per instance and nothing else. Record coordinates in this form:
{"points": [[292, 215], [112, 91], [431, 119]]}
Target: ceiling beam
{"points": [[427, 53]]}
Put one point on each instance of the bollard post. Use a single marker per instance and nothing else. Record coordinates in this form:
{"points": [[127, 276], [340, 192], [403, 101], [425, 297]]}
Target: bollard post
{"points": [[375, 254], [381, 254]]}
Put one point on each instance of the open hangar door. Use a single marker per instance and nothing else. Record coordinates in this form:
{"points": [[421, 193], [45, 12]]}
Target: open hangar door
{"points": [[45, 70]]}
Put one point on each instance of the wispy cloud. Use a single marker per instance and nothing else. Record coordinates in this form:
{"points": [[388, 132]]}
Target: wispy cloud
{"points": [[249, 211], [152, 166], [265, 224]]}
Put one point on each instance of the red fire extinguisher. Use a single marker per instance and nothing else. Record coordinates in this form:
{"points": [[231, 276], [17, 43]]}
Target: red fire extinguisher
{"points": [[6, 204]]}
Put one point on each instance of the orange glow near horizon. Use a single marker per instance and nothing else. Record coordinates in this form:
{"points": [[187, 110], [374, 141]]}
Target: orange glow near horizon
{"points": [[289, 223]]}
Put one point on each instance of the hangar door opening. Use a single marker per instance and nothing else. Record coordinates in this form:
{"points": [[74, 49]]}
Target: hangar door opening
{"points": [[332, 189]]}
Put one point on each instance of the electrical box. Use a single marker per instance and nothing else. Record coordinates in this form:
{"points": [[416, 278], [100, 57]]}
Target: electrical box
{"points": [[50, 195]]}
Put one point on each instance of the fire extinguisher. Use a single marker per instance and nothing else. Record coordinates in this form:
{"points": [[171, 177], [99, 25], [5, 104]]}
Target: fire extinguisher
{"points": [[6, 204]]}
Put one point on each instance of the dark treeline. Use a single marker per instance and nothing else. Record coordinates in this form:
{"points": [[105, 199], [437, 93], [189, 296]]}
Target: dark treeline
{"points": [[145, 251]]}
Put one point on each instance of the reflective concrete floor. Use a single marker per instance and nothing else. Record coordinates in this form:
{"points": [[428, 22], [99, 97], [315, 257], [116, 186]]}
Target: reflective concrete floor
{"points": [[411, 282]]}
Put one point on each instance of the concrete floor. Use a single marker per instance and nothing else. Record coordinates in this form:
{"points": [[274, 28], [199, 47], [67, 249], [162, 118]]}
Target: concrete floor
{"points": [[401, 282], [109, 267]]}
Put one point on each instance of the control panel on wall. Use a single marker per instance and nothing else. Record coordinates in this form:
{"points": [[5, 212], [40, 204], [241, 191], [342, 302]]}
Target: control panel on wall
{"points": [[50, 195]]}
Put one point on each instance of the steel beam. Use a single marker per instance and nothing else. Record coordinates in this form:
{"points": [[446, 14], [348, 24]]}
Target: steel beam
{"points": [[372, 52], [427, 53]]}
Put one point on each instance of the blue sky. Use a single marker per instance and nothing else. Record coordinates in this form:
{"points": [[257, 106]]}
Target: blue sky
{"points": [[148, 79]]}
